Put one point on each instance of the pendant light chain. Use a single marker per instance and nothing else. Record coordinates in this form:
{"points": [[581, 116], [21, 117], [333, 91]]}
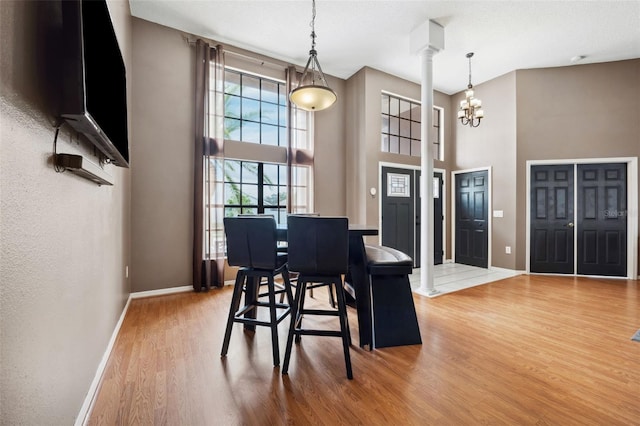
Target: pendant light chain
{"points": [[313, 25], [469, 55]]}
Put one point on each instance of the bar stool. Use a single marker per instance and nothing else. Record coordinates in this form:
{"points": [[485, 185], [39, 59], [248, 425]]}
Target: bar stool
{"points": [[252, 246], [319, 253], [294, 276]]}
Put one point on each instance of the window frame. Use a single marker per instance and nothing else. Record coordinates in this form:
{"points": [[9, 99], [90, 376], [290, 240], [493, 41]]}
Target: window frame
{"points": [[261, 122], [395, 135], [259, 207]]}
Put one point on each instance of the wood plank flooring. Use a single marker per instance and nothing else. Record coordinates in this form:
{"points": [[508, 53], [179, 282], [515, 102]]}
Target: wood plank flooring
{"points": [[527, 350]]}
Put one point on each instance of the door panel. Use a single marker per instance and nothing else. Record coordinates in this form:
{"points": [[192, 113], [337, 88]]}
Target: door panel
{"points": [[551, 219], [438, 219], [602, 219], [418, 210], [397, 209], [472, 240]]}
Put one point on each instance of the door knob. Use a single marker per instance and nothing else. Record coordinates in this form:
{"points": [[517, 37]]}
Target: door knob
{"points": [[570, 224]]}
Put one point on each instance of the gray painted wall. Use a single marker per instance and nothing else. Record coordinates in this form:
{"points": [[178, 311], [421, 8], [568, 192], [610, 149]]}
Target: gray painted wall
{"points": [[582, 111], [578, 112], [64, 241], [493, 144], [162, 158]]}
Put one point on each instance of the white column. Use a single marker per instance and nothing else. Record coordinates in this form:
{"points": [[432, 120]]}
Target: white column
{"points": [[427, 40]]}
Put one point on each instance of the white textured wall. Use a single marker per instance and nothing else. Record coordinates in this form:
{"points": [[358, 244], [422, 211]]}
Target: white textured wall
{"points": [[63, 240]]}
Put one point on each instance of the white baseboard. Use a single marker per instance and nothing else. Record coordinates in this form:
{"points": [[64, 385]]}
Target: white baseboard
{"points": [[498, 269], [161, 292], [87, 406]]}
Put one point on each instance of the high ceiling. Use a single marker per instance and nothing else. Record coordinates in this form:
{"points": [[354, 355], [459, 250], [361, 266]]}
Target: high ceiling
{"points": [[504, 35]]}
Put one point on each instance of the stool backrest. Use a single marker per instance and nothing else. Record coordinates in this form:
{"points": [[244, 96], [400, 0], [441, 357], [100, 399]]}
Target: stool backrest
{"points": [[318, 245], [251, 241]]}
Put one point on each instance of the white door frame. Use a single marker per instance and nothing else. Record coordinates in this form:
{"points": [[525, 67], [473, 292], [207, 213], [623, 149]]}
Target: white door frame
{"points": [[632, 209]]}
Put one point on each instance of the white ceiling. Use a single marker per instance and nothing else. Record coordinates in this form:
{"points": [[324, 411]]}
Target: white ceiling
{"points": [[504, 35]]}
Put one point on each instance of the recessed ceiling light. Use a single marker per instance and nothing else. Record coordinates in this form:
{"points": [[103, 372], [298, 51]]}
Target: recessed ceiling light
{"points": [[577, 58]]}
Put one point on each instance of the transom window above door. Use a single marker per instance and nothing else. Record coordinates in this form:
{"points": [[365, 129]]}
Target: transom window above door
{"points": [[401, 123]]}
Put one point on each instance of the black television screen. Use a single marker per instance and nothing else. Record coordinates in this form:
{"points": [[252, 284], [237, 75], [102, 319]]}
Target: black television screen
{"points": [[94, 100]]}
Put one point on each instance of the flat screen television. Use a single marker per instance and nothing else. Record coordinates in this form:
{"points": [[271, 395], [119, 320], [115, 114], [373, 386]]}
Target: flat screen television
{"points": [[94, 99]]}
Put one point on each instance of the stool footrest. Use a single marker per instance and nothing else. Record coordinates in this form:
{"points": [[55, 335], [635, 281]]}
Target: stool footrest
{"points": [[252, 321], [309, 332], [319, 312]]}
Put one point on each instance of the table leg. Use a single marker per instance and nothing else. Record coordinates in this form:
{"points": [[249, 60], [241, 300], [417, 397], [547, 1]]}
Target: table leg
{"points": [[357, 277]]}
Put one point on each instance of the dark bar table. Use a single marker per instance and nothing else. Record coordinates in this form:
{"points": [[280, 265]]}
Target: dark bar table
{"points": [[357, 281]]}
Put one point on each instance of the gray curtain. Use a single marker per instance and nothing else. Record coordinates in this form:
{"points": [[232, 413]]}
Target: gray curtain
{"points": [[208, 249]]}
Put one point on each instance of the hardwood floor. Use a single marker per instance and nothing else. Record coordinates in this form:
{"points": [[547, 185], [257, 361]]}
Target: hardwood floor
{"points": [[528, 350]]}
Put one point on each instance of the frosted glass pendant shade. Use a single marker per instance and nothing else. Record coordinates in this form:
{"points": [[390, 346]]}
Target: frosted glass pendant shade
{"points": [[313, 97]]}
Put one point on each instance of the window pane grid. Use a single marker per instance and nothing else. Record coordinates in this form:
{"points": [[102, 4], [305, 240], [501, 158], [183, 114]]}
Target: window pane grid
{"points": [[401, 127], [255, 188], [254, 109]]}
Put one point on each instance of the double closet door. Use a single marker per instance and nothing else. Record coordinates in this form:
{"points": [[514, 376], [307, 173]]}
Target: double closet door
{"points": [[578, 219]]}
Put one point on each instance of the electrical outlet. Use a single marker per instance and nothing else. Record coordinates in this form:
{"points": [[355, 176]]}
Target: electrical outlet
{"points": [[507, 249]]}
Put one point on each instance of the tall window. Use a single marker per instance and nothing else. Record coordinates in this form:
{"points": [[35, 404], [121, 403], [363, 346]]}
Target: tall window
{"points": [[255, 112], [255, 109], [401, 122]]}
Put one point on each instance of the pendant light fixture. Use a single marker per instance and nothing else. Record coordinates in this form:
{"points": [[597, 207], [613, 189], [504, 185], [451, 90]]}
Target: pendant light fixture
{"points": [[313, 93], [471, 108]]}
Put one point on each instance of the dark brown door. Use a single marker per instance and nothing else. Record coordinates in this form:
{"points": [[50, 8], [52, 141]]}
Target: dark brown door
{"points": [[398, 209], [472, 211], [395, 209], [552, 219], [602, 219], [438, 218]]}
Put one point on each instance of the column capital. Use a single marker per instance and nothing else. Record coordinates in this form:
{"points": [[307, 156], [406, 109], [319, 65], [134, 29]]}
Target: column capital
{"points": [[427, 36]]}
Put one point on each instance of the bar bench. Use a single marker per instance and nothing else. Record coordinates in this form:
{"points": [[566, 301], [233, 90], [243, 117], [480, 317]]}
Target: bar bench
{"points": [[393, 313]]}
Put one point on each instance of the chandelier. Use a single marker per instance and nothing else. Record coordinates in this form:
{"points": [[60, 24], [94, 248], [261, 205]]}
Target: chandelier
{"points": [[316, 94], [470, 111]]}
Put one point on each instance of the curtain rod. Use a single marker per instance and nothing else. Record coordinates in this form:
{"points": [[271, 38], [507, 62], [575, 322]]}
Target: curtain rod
{"points": [[257, 58]]}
